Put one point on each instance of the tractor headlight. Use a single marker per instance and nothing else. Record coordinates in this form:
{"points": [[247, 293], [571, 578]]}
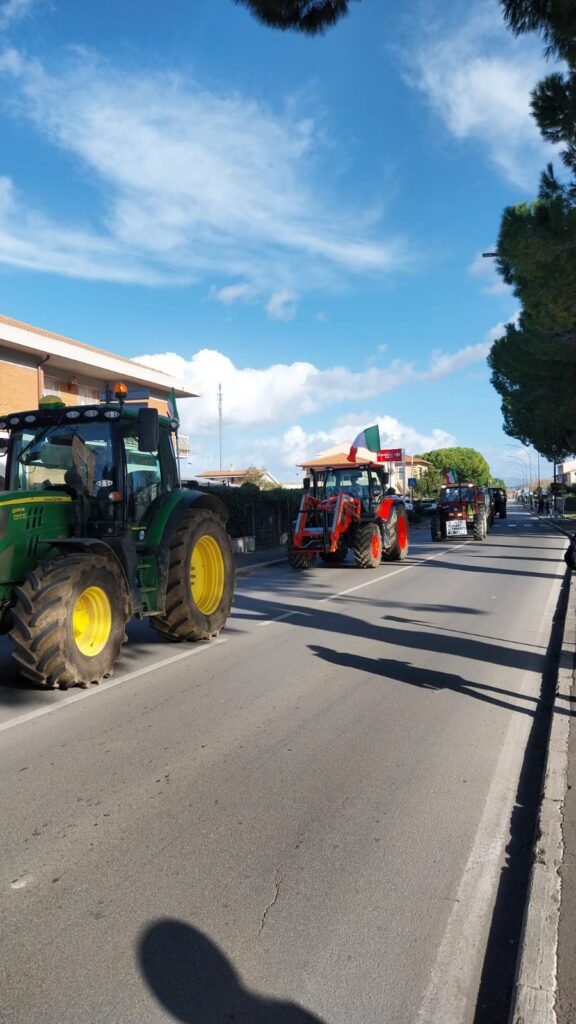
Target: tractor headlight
{"points": [[73, 414], [112, 414], [91, 413], [14, 421], [30, 419]]}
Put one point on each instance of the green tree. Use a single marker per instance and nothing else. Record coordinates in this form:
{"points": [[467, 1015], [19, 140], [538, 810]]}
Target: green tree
{"points": [[429, 483], [534, 363], [466, 463], [255, 477], [310, 16]]}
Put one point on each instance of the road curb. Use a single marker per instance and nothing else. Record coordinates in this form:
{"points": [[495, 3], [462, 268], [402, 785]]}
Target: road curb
{"points": [[535, 987], [245, 570]]}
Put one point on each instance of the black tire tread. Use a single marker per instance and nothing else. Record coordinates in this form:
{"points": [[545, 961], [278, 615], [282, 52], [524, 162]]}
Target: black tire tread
{"points": [[181, 620], [395, 553], [362, 546], [39, 622]]}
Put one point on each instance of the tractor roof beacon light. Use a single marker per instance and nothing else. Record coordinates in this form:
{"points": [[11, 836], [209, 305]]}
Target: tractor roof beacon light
{"points": [[51, 402], [120, 393]]}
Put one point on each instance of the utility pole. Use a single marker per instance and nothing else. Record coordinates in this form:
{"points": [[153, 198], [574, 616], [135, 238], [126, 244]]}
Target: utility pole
{"points": [[220, 422]]}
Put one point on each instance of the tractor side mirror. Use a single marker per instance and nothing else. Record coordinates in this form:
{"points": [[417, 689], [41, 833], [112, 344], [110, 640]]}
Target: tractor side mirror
{"points": [[306, 483], [3, 446], [148, 430]]}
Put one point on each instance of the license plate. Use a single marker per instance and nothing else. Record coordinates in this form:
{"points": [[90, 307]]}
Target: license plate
{"points": [[456, 528]]}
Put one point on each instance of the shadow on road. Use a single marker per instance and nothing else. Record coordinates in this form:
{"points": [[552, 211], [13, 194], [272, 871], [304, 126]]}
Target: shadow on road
{"points": [[196, 983]]}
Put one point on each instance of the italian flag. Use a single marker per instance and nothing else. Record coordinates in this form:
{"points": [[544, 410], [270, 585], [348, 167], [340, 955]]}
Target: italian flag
{"points": [[172, 407], [369, 438]]}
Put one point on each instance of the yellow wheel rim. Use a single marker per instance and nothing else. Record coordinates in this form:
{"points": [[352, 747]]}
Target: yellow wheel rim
{"points": [[92, 621], [206, 575]]}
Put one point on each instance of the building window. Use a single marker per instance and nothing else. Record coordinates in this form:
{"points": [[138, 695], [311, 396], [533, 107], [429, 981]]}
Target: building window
{"points": [[87, 395], [51, 385]]}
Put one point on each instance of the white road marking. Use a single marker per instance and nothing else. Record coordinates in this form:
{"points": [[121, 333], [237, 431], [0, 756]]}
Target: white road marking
{"points": [[104, 687], [456, 972], [360, 586], [279, 618]]}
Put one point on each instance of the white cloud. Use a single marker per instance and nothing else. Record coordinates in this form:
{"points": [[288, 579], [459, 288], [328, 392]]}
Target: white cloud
{"points": [[14, 10], [478, 80], [195, 184], [282, 305], [296, 445], [484, 269], [262, 407], [254, 397], [234, 293]]}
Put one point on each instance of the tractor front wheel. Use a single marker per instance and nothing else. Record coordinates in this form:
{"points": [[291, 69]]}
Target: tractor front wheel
{"points": [[200, 584], [397, 549], [436, 529], [69, 620], [367, 546], [300, 560]]}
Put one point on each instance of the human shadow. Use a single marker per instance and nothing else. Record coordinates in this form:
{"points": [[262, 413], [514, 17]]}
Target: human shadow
{"points": [[196, 983], [430, 679], [506, 571]]}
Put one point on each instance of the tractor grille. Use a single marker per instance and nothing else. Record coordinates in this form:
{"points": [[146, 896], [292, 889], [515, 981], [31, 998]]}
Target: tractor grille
{"points": [[35, 516]]}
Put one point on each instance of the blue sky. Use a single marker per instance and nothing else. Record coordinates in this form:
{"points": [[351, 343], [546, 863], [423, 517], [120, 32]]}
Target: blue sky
{"points": [[297, 219]]}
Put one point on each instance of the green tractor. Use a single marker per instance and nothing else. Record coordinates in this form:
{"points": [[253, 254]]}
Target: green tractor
{"points": [[95, 529]]}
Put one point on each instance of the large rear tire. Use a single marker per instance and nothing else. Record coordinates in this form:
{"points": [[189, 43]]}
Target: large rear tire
{"points": [[436, 529], [200, 586], [479, 526], [69, 620], [367, 546], [396, 540]]}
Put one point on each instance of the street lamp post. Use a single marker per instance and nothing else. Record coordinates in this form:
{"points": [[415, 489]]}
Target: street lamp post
{"points": [[521, 448], [521, 463]]}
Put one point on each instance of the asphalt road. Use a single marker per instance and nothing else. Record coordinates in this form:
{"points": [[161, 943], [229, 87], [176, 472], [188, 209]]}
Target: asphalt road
{"points": [[306, 820]]}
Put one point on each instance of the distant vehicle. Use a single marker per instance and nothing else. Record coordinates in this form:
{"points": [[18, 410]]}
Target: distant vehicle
{"points": [[498, 495], [462, 508]]}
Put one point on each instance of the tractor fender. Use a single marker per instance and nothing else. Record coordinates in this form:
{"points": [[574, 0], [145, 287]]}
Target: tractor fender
{"points": [[186, 500], [123, 555], [199, 499], [384, 509]]}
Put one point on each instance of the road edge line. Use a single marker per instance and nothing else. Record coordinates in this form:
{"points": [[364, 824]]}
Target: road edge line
{"points": [[535, 984]]}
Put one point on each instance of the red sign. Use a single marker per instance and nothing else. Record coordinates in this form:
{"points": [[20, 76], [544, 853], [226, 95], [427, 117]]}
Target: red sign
{"points": [[390, 455]]}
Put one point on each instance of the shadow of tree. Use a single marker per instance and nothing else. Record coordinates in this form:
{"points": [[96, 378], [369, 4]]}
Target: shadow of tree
{"points": [[196, 983]]}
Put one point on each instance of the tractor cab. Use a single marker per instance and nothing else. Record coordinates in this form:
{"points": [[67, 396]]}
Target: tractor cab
{"points": [[366, 483], [112, 462]]}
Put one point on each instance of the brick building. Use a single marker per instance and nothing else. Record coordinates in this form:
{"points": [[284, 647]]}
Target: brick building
{"points": [[34, 363]]}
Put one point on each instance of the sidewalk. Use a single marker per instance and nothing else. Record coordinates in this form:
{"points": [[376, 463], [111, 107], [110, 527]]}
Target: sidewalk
{"points": [[248, 561], [545, 986]]}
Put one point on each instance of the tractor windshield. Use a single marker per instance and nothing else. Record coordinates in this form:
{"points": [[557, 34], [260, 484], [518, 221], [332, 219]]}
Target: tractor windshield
{"points": [[456, 494], [78, 455]]}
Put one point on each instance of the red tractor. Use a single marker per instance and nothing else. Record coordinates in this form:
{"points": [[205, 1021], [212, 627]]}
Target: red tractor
{"points": [[462, 509], [347, 507]]}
